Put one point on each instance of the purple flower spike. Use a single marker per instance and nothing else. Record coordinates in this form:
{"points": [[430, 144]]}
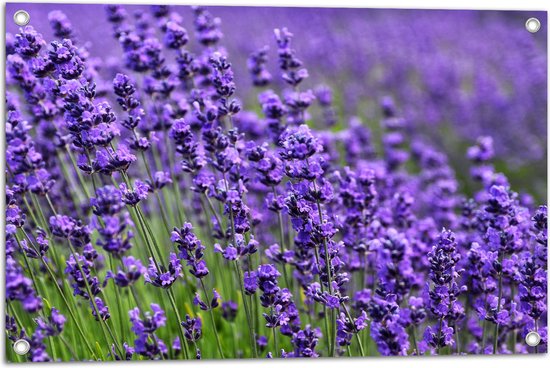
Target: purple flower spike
{"points": [[163, 277]]}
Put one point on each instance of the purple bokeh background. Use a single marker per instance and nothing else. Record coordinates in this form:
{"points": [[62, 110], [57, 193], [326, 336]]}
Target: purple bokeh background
{"points": [[481, 72]]}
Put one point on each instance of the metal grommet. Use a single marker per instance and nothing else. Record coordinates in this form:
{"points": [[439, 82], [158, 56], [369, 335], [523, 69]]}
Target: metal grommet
{"points": [[21, 347], [532, 338], [532, 25], [21, 18]]}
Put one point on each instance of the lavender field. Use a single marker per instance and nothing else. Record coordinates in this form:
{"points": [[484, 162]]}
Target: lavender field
{"points": [[231, 182]]}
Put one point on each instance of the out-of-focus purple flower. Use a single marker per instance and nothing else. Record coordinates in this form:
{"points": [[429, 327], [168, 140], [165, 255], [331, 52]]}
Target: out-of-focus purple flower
{"points": [[304, 343], [131, 271], [19, 287], [60, 24], [256, 66], [251, 282], [144, 325], [175, 36], [229, 310], [206, 26]]}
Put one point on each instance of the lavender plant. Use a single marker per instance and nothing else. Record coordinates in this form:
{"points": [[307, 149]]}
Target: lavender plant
{"points": [[190, 200]]}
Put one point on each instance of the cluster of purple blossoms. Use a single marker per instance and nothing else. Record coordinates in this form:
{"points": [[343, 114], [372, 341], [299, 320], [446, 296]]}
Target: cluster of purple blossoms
{"points": [[256, 66], [241, 249], [282, 310], [193, 332], [19, 287], [208, 305], [387, 328], [144, 325], [45, 327], [130, 272], [346, 328], [81, 269], [191, 250], [444, 303], [113, 228], [163, 276]]}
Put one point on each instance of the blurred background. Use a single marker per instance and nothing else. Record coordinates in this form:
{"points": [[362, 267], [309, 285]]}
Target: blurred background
{"points": [[454, 75]]}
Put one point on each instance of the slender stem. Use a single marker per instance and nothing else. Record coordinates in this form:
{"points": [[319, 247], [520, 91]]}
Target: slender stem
{"points": [[68, 346], [196, 347], [239, 275], [64, 298], [37, 287], [495, 336], [457, 338], [415, 344], [439, 335], [275, 342], [246, 310], [218, 343], [179, 202], [18, 322], [327, 266], [161, 204], [211, 205], [102, 322], [361, 350], [77, 170], [325, 319], [282, 236], [147, 240], [71, 182], [118, 302], [484, 327], [175, 181], [151, 234], [180, 327], [31, 212], [15, 315]]}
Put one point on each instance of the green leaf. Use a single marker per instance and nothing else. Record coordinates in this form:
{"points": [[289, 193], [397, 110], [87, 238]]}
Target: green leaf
{"points": [[98, 347]]}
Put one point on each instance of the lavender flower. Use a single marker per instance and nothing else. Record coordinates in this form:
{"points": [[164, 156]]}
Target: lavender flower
{"points": [[444, 302], [191, 250], [163, 277], [144, 325]]}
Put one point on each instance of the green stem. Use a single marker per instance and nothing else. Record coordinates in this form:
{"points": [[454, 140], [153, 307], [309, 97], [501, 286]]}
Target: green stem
{"points": [[102, 322], [361, 350], [211, 205], [246, 310], [161, 204], [282, 236], [327, 267], [64, 298], [275, 342], [218, 343], [457, 338], [180, 327], [78, 173], [118, 303], [415, 344], [325, 319], [69, 348], [439, 335], [495, 335]]}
